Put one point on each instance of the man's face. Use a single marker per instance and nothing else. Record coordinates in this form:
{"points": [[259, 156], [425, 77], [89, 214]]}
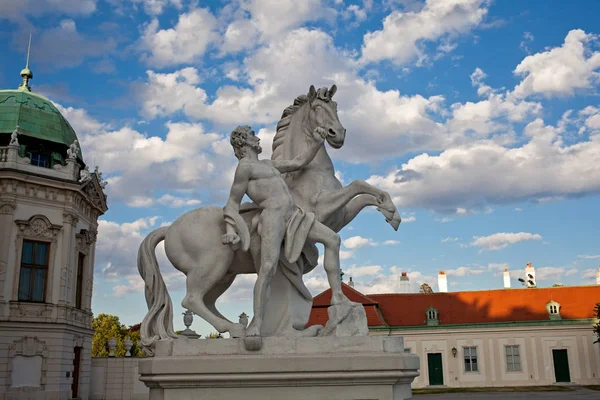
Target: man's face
{"points": [[253, 141]]}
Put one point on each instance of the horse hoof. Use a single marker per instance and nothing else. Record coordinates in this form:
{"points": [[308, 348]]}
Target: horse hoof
{"points": [[253, 343]]}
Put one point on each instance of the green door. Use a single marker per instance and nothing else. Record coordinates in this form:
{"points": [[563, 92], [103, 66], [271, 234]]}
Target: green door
{"points": [[436, 373], [561, 365]]}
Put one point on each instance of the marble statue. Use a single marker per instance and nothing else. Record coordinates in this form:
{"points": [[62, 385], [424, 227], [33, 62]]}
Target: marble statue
{"points": [[84, 175], [279, 219], [72, 150], [193, 243], [99, 176], [14, 141]]}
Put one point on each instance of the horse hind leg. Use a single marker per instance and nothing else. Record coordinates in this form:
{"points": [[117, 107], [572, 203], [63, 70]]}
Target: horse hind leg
{"points": [[202, 282], [210, 299]]}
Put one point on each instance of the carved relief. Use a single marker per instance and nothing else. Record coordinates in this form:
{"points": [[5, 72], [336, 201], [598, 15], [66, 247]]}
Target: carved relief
{"points": [[38, 226], [34, 310], [70, 218], [28, 346], [78, 341], [7, 207]]}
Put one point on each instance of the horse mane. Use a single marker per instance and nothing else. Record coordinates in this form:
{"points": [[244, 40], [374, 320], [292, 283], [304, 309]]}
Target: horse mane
{"points": [[284, 124]]}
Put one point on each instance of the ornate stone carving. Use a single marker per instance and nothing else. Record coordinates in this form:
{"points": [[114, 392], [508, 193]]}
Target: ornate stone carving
{"points": [[38, 226], [70, 218], [34, 310], [7, 207], [28, 346]]}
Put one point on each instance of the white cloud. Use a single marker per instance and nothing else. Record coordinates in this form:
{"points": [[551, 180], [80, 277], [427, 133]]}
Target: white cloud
{"points": [[356, 242], [63, 45], [589, 257], [404, 33], [186, 42], [156, 7], [560, 70], [18, 10], [485, 172], [449, 239], [411, 218], [502, 240], [589, 273], [390, 242], [549, 273], [464, 271], [362, 271], [136, 165], [262, 21]]}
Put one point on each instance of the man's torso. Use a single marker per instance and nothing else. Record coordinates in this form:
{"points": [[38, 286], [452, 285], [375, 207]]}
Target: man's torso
{"points": [[267, 188]]}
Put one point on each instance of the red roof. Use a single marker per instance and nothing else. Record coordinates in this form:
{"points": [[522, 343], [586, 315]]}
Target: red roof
{"points": [[505, 305], [318, 315]]}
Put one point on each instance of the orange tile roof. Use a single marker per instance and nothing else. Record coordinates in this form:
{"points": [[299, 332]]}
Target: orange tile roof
{"points": [[505, 305]]}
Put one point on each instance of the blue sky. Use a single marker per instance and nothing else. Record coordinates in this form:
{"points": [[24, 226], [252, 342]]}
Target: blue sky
{"points": [[481, 118]]}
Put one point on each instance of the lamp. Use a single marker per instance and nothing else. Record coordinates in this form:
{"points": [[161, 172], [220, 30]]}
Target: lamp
{"points": [[454, 351]]}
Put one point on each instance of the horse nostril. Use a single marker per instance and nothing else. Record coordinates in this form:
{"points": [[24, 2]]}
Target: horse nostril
{"points": [[331, 132]]}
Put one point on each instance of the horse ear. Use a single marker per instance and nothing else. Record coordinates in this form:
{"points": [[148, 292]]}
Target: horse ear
{"points": [[312, 93], [332, 91]]}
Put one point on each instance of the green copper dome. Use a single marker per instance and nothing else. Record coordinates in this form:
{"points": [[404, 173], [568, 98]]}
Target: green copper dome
{"points": [[36, 116]]}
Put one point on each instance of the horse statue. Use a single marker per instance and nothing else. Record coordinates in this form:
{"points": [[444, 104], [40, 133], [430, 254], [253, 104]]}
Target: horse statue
{"points": [[193, 241]]}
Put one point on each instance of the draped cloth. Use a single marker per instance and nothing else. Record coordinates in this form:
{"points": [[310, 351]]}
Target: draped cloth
{"points": [[290, 302]]}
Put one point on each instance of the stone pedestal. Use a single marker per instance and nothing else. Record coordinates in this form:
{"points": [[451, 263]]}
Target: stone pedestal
{"points": [[336, 368]]}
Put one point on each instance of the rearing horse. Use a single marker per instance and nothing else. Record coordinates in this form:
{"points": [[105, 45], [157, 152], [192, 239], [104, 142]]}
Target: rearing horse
{"points": [[193, 241], [315, 188]]}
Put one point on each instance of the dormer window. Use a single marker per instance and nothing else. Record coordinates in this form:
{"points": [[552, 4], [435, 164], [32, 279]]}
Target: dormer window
{"points": [[40, 160], [432, 317], [553, 309]]}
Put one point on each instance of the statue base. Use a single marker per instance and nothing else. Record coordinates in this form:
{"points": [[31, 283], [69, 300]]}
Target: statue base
{"points": [[336, 368]]}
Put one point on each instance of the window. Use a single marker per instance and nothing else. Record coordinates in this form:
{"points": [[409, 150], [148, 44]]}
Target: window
{"points": [[40, 160], [513, 359], [34, 271], [470, 359], [79, 292], [553, 309], [432, 316]]}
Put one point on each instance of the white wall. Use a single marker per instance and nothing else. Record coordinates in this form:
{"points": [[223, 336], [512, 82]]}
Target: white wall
{"points": [[535, 346]]}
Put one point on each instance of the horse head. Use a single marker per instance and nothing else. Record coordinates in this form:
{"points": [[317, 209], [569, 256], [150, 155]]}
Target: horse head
{"points": [[323, 113]]}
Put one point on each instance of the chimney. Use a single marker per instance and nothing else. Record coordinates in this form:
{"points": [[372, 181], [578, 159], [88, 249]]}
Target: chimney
{"points": [[530, 275], [350, 282], [442, 282], [404, 283], [506, 279], [598, 276]]}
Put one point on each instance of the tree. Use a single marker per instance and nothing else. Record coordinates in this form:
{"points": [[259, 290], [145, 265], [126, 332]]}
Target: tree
{"points": [[215, 335], [107, 326], [597, 326]]}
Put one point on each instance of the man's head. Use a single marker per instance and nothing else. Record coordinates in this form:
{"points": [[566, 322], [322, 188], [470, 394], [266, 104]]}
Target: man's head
{"points": [[243, 137]]}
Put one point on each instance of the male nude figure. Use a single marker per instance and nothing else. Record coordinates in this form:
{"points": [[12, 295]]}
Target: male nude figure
{"points": [[261, 180]]}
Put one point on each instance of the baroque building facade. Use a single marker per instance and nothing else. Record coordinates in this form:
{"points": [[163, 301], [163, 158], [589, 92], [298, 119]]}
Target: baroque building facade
{"points": [[49, 208], [506, 337]]}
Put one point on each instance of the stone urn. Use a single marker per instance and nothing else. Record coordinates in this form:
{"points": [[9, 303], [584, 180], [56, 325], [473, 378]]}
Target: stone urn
{"points": [[128, 345], [112, 345]]}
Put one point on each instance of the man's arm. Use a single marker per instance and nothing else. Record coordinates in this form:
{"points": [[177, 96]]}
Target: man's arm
{"points": [[238, 190], [305, 158]]}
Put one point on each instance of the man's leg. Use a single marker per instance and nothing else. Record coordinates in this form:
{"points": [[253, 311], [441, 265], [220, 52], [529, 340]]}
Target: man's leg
{"points": [[331, 241], [272, 233]]}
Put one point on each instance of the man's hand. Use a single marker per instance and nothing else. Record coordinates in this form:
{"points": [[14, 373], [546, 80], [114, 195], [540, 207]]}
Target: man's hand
{"points": [[319, 134], [230, 238]]}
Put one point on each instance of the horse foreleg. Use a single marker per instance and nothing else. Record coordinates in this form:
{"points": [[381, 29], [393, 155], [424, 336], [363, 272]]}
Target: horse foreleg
{"points": [[330, 202]]}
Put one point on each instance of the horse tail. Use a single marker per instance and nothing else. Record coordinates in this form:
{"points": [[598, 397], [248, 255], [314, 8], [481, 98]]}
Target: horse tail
{"points": [[158, 322]]}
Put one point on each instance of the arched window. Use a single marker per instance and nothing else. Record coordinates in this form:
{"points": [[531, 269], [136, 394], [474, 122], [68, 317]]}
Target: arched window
{"points": [[432, 316]]}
